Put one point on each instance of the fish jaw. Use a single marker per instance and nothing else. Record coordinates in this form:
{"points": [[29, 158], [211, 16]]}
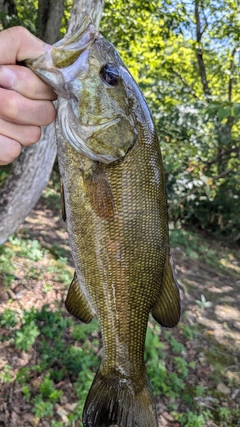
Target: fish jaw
{"points": [[65, 60]]}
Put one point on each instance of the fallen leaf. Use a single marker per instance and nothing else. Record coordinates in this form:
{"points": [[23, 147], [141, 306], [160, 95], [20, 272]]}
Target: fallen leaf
{"points": [[223, 388], [168, 416], [162, 421], [62, 413], [70, 406], [35, 421]]}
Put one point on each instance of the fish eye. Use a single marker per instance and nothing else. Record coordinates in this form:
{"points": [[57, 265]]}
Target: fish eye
{"points": [[110, 74]]}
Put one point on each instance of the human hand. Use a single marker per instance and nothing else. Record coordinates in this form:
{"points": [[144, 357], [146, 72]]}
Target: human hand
{"points": [[25, 100]]}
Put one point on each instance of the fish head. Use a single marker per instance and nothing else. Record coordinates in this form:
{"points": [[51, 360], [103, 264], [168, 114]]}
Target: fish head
{"points": [[96, 100]]}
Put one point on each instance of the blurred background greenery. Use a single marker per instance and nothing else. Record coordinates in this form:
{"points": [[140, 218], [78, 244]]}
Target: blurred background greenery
{"points": [[185, 55]]}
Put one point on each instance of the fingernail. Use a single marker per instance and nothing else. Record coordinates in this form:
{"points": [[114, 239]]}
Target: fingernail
{"points": [[7, 77]]}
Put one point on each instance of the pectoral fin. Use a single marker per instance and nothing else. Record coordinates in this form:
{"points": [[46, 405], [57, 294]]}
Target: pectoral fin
{"points": [[167, 309], [99, 193], [76, 302]]}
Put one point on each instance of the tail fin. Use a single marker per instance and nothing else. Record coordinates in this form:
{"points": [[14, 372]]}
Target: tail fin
{"points": [[117, 401]]}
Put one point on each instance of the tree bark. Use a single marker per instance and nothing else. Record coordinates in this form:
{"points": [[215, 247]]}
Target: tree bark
{"points": [[50, 15], [199, 53], [26, 182], [31, 171]]}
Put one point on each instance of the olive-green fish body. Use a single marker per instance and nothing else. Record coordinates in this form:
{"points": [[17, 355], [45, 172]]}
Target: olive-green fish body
{"points": [[116, 210]]}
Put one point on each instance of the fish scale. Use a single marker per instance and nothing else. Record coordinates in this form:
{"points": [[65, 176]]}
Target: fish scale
{"points": [[115, 205]]}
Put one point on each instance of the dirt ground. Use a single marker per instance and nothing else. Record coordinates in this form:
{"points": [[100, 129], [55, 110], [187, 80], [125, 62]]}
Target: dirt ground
{"points": [[219, 324]]}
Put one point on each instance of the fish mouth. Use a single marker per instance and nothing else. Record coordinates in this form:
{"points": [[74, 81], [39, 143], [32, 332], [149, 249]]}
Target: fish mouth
{"points": [[65, 59], [66, 51]]}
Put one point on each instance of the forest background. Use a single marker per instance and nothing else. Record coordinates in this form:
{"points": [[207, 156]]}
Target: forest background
{"points": [[185, 56]]}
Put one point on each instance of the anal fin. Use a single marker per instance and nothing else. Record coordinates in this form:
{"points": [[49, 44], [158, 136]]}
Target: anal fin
{"points": [[76, 302], [167, 310]]}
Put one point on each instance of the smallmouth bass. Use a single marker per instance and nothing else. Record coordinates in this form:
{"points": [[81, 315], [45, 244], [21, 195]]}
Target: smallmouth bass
{"points": [[115, 205]]}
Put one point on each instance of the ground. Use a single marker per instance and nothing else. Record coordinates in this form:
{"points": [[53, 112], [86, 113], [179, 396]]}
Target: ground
{"points": [[194, 369]]}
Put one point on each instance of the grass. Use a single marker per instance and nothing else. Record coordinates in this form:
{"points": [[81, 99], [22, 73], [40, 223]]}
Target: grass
{"points": [[68, 350], [212, 252], [25, 255], [52, 192]]}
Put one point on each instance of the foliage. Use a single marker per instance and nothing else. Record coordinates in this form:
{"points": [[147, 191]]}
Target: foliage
{"points": [[32, 252], [5, 375], [26, 336], [6, 264], [185, 56], [48, 391], [203, 303], [8, 318], [190, 419], [26, 14], [56, 360], [60, 338], [27, 248], [51, 193]]}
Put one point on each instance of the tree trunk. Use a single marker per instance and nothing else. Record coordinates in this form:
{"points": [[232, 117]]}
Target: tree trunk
{"points": [[199, 52], [80, 9], [50, 15], [31, 171], [7, 7], [26, 182]]}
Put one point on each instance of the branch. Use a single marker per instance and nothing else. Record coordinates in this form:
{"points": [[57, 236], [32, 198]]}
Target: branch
{"points": [[231, 69], [206, 24], [184, 83], [198, 23], [201, 63], [222, 154]]}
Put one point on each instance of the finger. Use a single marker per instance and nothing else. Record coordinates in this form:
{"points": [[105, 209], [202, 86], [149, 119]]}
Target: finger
{"points": [[25, 134], [25, 82], [18, 109], [17, 44], [9, 150]]}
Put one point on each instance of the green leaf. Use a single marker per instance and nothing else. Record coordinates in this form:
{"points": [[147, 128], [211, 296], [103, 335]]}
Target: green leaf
{"points": [[25, 337], [223, 113], [236, 110]]}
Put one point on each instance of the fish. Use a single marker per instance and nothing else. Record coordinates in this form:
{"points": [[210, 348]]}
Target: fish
{"points": [[114, 201]]}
